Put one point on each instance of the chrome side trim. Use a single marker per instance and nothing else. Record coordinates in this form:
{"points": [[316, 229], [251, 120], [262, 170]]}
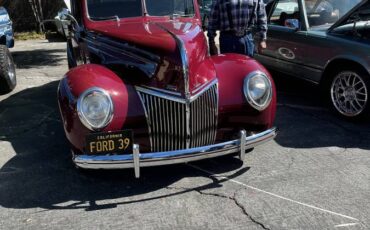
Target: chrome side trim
{"points": [[173, 157]]}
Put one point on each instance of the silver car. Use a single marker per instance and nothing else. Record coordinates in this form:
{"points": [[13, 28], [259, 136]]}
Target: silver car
{"points": [[326, 42]]}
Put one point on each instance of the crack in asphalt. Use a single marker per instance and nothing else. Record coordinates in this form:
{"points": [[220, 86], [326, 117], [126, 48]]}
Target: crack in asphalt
{"points": [[232, 198]]}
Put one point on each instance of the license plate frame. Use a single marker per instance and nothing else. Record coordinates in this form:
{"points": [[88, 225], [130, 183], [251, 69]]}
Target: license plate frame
{"points": [[116, 142]]}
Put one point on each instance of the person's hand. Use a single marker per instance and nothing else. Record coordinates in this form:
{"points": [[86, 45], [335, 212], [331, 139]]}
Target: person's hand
{"points": [[213, 48], [262, 45]]}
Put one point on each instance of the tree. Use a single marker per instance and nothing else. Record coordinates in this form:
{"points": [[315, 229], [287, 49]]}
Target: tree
{"points": [[27, 15]]}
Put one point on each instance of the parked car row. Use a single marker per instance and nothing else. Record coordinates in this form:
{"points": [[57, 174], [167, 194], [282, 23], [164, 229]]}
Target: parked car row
{"points": [[143, 91], [7, 68]]}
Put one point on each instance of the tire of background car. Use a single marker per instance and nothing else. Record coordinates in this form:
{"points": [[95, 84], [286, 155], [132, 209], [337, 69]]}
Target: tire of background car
{"points": [[8, 79], [349, 92]]}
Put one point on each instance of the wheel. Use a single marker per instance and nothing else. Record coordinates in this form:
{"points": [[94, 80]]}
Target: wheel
{"points": [[8, 79], [349, 93]]}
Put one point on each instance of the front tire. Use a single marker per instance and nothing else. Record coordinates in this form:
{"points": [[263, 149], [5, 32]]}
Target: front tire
{"points": [[8, 79], [349, 93]]}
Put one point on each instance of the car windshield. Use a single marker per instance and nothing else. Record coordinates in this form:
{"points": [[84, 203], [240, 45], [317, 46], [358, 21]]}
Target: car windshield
{"points": [[184, 8], [321, 13], [4, 17], [110, 9]]}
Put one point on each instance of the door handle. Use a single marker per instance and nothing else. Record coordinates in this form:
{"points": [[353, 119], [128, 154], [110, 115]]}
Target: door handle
{"points": [[286, 53]]}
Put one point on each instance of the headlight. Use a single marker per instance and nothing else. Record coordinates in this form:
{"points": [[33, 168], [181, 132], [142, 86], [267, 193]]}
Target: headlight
{"points": [[95, 108], [258, 90]]}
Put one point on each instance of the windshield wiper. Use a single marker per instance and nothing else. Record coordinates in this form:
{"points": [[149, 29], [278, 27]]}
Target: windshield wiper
{"points": [[114, 17], [174, 16]]}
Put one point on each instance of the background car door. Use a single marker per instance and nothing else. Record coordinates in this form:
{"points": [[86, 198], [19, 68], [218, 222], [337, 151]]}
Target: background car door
{"points": [[284, 50]]}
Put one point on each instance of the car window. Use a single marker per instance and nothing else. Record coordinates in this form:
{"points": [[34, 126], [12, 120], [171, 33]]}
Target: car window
{"points": [[284, 9], [326, 12], [170, 7], [110, 8]]}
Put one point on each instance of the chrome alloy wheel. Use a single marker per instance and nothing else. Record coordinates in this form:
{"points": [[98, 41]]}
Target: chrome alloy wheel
{"points": [[11, 71], [349, 93]]}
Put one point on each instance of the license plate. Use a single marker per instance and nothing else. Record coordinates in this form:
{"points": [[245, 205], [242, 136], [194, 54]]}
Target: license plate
{"points": [[112, 142]]}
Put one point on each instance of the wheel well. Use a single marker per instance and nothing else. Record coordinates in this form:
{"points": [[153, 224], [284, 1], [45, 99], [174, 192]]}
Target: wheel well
{"points": [[336, 65]]}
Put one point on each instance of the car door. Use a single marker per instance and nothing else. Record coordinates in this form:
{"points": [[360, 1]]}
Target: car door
{"points": [[284, 51]]}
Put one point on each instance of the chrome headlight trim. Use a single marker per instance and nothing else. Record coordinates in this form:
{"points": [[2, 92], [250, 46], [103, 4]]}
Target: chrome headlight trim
{"points": [[249, 98], [81, 115]]}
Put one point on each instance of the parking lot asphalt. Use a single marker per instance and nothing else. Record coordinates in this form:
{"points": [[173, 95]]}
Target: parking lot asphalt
{"points": [[314, 175]]}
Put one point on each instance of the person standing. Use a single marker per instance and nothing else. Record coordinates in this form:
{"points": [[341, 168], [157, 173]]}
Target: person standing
{"points": [[235, 20]]}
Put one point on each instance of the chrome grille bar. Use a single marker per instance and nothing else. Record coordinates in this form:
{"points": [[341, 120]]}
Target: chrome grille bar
{"points": [[170, 119]]}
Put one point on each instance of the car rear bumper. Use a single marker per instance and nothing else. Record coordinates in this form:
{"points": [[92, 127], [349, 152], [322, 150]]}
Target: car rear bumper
{"points": [[138, 160]]}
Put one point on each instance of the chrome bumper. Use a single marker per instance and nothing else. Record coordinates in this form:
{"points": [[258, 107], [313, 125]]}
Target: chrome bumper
{"points": [[138, 160]]}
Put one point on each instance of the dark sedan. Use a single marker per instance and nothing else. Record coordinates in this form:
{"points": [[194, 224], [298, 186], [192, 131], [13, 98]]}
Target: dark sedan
{"points": [[326, 42]]}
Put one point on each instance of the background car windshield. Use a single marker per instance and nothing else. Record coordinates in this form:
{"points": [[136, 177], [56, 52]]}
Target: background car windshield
{"points": [[327, 12], [4, 17], [170, 7], [110, 8]]}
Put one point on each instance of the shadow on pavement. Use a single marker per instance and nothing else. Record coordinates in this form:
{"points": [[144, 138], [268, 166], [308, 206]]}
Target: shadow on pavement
{"points": [[41, 173], [39, 57]]}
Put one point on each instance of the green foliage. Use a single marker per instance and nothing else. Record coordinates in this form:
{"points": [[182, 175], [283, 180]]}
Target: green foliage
{"points": [[28, 36]]}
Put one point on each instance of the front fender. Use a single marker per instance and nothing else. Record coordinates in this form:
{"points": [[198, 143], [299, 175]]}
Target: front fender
{"points": [[77, 81], [231, 70]]}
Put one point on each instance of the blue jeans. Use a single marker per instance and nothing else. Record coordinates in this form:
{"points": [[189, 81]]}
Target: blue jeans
{"points": [[233, 44]]}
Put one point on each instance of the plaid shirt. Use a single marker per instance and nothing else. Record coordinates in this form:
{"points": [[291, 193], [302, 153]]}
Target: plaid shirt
{"points": [[241, 11]]}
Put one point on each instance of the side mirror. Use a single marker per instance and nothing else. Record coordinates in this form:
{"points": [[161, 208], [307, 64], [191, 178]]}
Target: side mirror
{"points": [[63, 14], [292, 23]]}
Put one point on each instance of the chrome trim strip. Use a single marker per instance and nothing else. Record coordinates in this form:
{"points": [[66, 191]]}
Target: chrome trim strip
{"points": [[178, 94], [160, 94], [173, 157], [185, 69], [172, 96], [184, 59]]}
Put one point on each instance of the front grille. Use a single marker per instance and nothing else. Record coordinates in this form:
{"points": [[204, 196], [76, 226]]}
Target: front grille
{"points": [[171, 127]]}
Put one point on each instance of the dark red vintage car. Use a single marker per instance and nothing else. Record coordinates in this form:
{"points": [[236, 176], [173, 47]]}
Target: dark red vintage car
{"points": [[141, 78]]}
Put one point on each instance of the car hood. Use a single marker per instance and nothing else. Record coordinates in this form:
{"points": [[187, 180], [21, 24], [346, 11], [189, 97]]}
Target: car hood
{"points": [[361, 11], [181, 46]]}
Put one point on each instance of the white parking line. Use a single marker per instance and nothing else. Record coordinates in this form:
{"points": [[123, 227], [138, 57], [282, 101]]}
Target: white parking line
{"points": [[345, 225], [272, 194]]}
